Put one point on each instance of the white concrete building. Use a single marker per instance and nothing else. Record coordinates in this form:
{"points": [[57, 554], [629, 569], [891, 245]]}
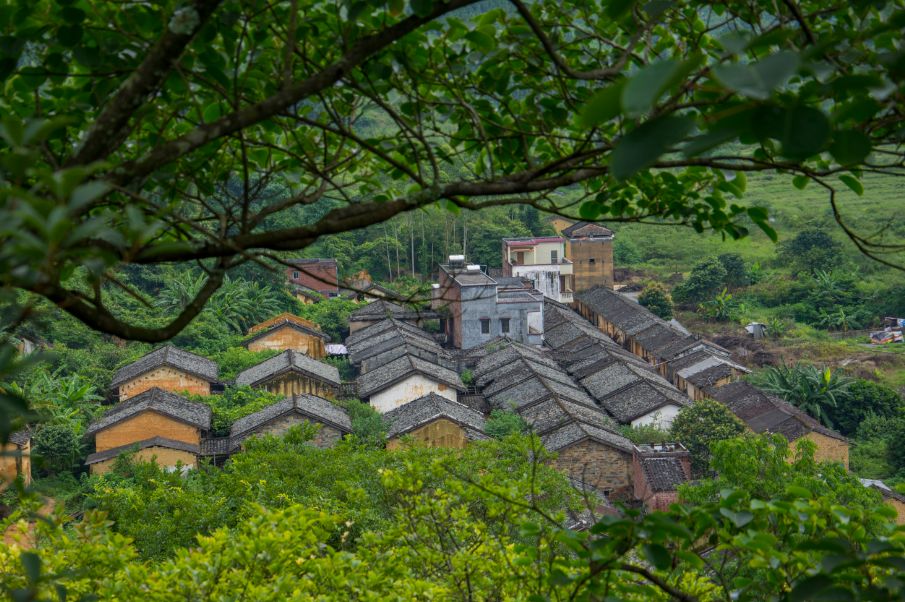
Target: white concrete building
{"points": [[541, 260]]}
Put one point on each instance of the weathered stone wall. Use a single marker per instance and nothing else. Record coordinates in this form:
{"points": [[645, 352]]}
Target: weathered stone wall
{"points": [[439, 433], [899, 507], [166, 378], [598, 465], [286, 338], [144, 426], [162, 456]]}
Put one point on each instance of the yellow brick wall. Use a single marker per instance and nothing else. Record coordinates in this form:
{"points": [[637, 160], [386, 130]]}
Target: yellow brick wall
{"points": [[598, 465], [163, 456], [296, 384], [587, 274], [286, 338], [439, 433], [829, 449], [144, 426], [168, 379], [12, 466], [899, 507], [327, 436]]}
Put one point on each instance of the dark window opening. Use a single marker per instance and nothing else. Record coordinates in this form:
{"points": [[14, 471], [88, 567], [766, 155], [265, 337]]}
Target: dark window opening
{"points": [[295, 275], [485, 325], [504, 325], [592, 261], [554, 257]]}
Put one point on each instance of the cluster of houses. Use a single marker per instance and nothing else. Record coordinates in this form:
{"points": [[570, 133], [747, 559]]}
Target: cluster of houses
{"points": [[551, 342]]}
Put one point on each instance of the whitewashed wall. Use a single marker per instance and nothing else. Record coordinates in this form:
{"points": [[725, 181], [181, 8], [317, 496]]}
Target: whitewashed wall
{"points": [[407, 390]]}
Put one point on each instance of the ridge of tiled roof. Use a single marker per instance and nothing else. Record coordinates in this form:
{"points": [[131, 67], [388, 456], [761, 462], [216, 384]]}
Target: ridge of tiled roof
{"points": [[362, 335], [380, 378], [763, 412], [155, 400], [382, 308], [416, 413], [288, 361], [108, 454], [168, 355], [603, 230], [21, 437], [315, 407], [260, 334]]}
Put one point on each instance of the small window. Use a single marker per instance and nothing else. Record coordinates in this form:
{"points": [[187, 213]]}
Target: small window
{"points": [[504, 325], [485, 325], [607, 492], [295, 275], [592, 261], [554, 257]]}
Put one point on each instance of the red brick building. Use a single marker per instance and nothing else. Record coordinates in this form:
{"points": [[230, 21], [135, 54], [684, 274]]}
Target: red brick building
{"points": [[318, 275]]}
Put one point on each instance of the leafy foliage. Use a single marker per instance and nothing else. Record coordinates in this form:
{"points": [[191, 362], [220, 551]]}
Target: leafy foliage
{"points": [[699, 425], [656, 298], [864, 398], [704, 282], [503, 423], [815, 391]]}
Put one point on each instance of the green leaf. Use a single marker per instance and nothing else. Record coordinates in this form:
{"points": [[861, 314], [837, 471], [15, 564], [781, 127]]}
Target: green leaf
{"points": [[604, 105], [395, 7], [850, 147], [805, 133], [853, 183], [211, 112], [739, 519], [800, 182], [481, 41], [657, 555], [615, 9], [422, 8], [69, 35], [590, 210], [758, 80], [641, 147], [31, 563], [646, 87], [798, 491]]}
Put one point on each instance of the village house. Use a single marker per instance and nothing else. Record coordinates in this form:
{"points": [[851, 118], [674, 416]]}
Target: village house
{"points": [[405, 379], [542, 260], [893, 498], [590, 247], [168, 368], [292, 373], [587, 442], [391, 339], [319, 276], [15, 459], [434, 421], [475, 308], [381, 309], [154, 424], [288, 332], [682, 358], [657, 472], [629, 389], [333, 421], [764, 413]]}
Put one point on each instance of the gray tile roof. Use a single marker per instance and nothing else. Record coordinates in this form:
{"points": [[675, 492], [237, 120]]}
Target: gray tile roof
{"points": [[663, 473], [289, 361], [382, 309], [171, 356], [390, 373], [424, 410], [394, 337], [628, 392], [625, 314], [155, 400], [20, 438], [438, 356], [575, 432], [316, 408], [372, 330], [144, 444], [763, 412], [580, 229]]}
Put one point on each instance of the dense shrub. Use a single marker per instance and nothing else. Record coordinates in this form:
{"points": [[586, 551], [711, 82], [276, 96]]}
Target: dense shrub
{"points": [[656, 298], [703, 283]]}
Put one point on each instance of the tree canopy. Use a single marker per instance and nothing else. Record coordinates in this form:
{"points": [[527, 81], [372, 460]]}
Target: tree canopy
{"points": [[225, 132]]}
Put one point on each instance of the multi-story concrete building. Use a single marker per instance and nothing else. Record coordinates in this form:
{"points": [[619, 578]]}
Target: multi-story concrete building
{"points": [[543, 261], [475, 308], [590, 247]]}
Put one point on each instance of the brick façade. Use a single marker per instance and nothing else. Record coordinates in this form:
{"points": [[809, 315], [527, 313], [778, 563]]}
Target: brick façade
{"points": [[166, 378]]}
